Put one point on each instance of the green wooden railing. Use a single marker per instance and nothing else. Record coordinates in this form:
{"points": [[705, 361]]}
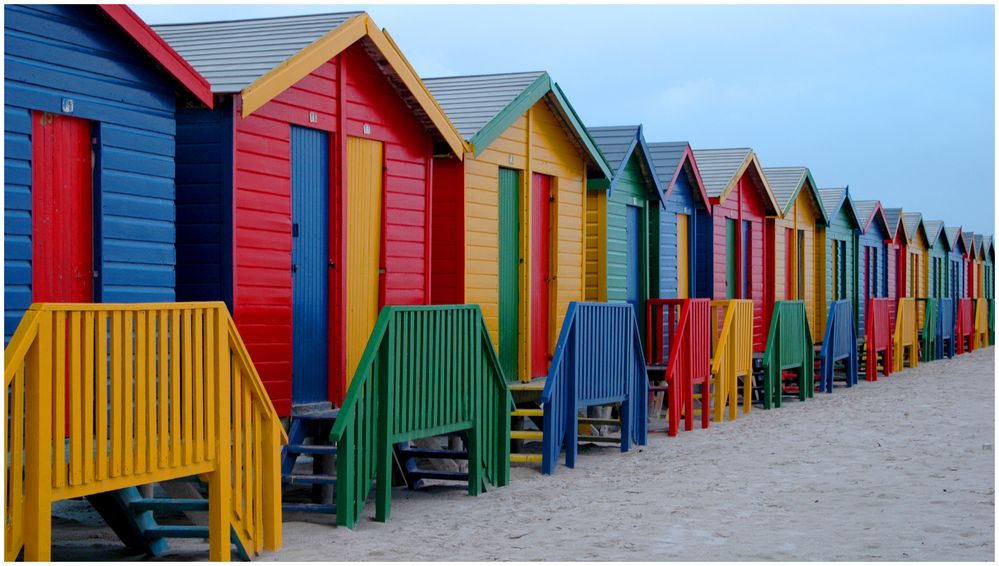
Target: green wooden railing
{"points": [[929, 339], [426, 371], [789, 347]]}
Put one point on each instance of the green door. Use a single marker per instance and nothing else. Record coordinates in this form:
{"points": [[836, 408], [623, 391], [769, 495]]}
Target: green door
{"points": [[730, 258], [509, 266]]}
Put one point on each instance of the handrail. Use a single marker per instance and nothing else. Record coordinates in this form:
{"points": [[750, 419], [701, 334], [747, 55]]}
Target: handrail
{"points": [[789, 346], [906, 334], [839, 343], [878, 336], [689, 355], [598, 360], [981, 323], [732, 358], [929, 310], [122, 395], [965, 325], [426, 371]]}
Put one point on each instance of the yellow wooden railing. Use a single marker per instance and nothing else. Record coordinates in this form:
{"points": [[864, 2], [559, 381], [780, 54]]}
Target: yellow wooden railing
{"points": [[101, 397], [732, 355], [906, 334], [981, 336]]}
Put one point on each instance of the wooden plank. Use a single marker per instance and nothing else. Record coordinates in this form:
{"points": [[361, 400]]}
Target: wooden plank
{"points": [[151, 388], [199, 384], [141, 407], [163, 382], [88, 398], [76, 408], [117, 356], [175, 379], [127, 401], [102, 396], [187, 401], [59, 398]]}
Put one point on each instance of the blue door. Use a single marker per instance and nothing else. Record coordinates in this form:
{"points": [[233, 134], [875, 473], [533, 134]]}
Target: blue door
{"points": [[633, 260], [309, 265]]}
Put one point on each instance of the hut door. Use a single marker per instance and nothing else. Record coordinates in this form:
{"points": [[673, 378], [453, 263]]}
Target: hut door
{"points": [[62, 222], [309, 265], [731, 258], [364, 236], [682, 256], [509, 270], [541, 195], [633, 261]]}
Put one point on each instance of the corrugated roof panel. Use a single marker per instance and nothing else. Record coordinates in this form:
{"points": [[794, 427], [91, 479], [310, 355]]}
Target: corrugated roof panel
{"points": [[784, 181], [666, 157], [933, 229], [719, 166], [614, 143], [233, 54], [472, 101], [831, 199], [912, 221], [865, 208], [953, 233], [893, 215]]}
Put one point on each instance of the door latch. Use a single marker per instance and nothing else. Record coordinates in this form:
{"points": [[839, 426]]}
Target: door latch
{"points": [[332, 264], [294, 230], [294, 268]]}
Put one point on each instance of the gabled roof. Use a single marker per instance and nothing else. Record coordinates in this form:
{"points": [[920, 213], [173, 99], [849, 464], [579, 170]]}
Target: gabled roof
{"points": [[160, 51], [484, 106], [835, 198], [989, 246], [673, 159], [955, 237], [787, 182], [934, 230], [969, 242], [894, 218], [721, 169], [913, 222], [979, 245], [868, 211], [618, 144], [261, 58]]}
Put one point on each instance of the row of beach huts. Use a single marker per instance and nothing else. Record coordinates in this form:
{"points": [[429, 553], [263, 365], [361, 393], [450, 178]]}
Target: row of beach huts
{"points": [[223, 238]]}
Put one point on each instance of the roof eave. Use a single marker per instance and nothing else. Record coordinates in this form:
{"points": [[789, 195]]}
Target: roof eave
{"points": [[506, 117], [581, 131], [653, 174], [160, 50]]}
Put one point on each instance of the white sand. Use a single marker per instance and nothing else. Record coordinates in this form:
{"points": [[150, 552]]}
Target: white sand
{"points": [[901, 469]]}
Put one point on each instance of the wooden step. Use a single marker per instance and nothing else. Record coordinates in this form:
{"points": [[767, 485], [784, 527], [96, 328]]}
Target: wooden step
{"points": [[526, 434], [433, 453], [528, 413], [309, 508], [608, 439], [531, 458], [164, 504], [177, 531], [317, 449], [595, 421], [437, 475], [307, 479]]}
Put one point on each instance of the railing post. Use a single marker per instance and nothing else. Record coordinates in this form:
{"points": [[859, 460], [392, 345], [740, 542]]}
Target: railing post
{"points": [[271, 475], [220, 479], [383, 459], [38, 446]]}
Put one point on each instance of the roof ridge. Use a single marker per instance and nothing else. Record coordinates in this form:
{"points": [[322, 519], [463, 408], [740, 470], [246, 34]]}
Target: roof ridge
{"points": [[269, 18], [424, 79]]}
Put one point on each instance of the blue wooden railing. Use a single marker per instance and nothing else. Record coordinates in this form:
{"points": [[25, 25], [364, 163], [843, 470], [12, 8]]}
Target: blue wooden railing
{"points": [[598, 360], [946, 337], [840, 343]]}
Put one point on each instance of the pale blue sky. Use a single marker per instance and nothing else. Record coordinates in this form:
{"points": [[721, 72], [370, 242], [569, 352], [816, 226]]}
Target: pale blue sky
{"points": [[896, 101]]}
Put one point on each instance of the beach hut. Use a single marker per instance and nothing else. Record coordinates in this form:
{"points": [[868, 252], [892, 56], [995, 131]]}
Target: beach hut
{"points": [[685, 229], [918, 253], [304, 198], [937, 263], [843, 251], [509, 220], [874, 271], [979, 266], [988, 266], [741, 199], [971, 264], [622, 222], [90, 96], [795, 246], [957, 272], [898, 259]]}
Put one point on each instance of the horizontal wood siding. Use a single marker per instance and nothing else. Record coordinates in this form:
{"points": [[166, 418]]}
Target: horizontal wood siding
{"points": [[744, 203], [262, 207], [629, 190], [596, 245], [204, 204], [75, 52], [802, 215], [841, 229], [551, 153], [682, 200]]}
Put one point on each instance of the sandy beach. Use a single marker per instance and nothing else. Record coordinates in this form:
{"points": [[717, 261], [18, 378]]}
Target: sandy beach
{"points": [[900, 469]]}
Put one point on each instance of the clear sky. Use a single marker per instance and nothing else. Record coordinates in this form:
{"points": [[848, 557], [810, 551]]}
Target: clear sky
{"points": [[898, 102]]}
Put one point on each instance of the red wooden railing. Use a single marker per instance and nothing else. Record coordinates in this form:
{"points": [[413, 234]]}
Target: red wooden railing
{"points": [[680, 346], [879, 337], [965, 325]]}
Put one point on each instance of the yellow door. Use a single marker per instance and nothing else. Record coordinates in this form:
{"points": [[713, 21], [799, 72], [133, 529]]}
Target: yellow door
{"points": [[364, 226], [682, 262]]}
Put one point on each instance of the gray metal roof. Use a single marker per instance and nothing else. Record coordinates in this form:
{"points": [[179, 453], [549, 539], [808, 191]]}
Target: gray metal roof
{"points": [[831, 198], [614, 142], [667, 157], [472, 101], [865, 208], [231, 55], [912, 221], [987, 243], [719, 166], [969, 241], [933, 229], [893, 215], [784, 181], [952, 234]]}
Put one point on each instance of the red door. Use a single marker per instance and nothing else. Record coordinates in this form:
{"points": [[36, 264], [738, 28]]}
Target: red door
{"points": [[62, 209], [541, 186]]}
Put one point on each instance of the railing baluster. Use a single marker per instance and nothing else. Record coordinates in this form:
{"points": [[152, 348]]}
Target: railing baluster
{"points": [[199, 386], [127, 406], [141, 408], [60, 408]]}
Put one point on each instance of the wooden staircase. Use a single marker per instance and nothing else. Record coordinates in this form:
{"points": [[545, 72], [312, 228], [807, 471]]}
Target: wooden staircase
{"points": [[308, 439], [525, 442]]}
